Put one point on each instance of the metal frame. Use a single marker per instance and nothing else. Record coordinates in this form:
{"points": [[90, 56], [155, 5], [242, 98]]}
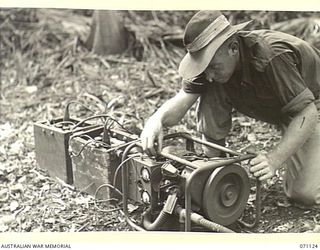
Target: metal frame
{"points": [[239, 157]]}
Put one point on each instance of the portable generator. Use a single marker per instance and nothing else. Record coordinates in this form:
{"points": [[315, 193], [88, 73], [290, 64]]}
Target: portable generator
{"points": [[212, 193]]}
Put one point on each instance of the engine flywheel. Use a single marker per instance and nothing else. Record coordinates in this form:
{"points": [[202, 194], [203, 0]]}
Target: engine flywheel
{"points": [[226, 194]]}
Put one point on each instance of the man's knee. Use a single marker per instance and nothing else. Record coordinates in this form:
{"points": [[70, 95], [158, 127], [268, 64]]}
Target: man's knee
{"points": [[305, 195]]}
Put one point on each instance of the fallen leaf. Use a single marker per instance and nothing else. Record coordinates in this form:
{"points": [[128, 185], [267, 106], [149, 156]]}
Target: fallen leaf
{"points": [[3, 151], [284, 203], [82, 200], [37, 230], [114, 77], [5, 131], [7, 219], [16, 148], [26, 209], [31, 89], [14, 205], [252, 137], [17, 188], [267, 209], [283, 228], [316, 229], [50, 220], [26, 225], [22, 179], [69, 90], [245, 124], [121, 85], [116, 102], [46, 187], [251, 199], [73, 228], [307, 225], [3, 228], [3, 193]]}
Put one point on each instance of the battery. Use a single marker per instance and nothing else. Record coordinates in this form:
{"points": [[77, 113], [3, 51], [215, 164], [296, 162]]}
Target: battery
{"points": [[51, 141], [93, 164]]}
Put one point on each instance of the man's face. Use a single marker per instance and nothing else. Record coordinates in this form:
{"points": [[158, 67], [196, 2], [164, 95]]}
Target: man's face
{"points": [[222, 66]]}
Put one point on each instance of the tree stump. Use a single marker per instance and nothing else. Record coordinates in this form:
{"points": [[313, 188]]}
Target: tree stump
{"points": [[108, 34]]}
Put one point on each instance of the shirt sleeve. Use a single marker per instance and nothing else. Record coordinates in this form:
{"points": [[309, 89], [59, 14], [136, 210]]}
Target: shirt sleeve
{"points": [[288, 84], [196, 85]]}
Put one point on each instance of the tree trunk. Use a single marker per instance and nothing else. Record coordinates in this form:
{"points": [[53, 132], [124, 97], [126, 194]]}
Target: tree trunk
{"points": [[107, 35]]}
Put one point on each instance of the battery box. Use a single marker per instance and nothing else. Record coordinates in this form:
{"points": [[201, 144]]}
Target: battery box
{"points": [[51, 146], [94, 164]]}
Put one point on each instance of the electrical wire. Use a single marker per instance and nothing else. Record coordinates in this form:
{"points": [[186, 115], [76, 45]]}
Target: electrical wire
{"points": [[106, 128], [124, 183], [122, 145], [96, 193], [115, 121], [90, 140], [99, 116], [66, 111], [65, 122], [79, 135], [82, 148], [112, 186]]}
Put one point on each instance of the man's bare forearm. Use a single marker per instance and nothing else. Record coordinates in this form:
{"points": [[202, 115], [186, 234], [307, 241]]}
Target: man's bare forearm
{"points": [[298, 131], [173, 110]]}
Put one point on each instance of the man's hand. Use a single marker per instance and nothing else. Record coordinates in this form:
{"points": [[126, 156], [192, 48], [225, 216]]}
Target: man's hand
{"points": [[169, 114], [151, 134], [263, 167]]}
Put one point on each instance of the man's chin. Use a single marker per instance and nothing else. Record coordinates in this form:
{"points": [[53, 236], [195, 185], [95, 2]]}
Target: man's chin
{"points": [[221, 80]]}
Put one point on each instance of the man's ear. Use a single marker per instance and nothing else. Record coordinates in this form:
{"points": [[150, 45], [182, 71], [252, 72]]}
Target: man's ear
{"points": [[234, 48]]}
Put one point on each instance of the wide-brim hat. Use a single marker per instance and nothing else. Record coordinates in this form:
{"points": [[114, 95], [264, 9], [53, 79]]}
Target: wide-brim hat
{"points": [[204, 34]]}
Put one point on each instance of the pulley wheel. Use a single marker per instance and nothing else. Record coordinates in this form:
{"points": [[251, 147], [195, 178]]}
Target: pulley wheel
{"points": [[226, 194]]}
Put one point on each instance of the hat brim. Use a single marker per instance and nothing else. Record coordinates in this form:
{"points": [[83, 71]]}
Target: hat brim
{"points": [[193, 64]]}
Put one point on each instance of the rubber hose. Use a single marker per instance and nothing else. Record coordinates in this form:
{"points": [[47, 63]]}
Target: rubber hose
{"points": [[159, 221], [200, 220], [214, 226]]}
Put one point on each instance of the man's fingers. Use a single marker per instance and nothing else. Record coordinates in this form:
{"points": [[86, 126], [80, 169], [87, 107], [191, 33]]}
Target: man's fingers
{"points": [[266, 176], [144, 142], [258, 167], [261, 172], [261, 167], [150, 146], [147, 143], [160, 140], [257, 160]]}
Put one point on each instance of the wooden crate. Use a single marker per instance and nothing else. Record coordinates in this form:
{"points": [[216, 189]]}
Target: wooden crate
{"points": [[51, 147], [93, 167]]}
